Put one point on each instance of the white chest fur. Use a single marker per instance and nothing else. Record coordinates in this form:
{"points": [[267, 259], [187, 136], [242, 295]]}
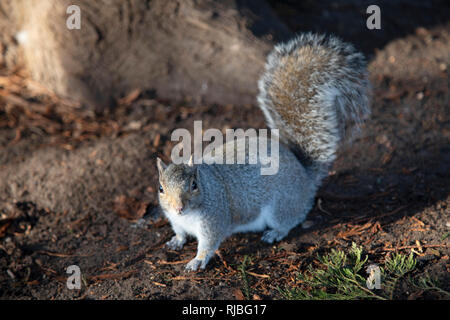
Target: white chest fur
{"points": [[190, 222]]}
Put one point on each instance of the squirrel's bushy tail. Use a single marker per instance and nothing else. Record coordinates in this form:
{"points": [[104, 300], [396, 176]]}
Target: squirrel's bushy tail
{"points": [[314, 89]]}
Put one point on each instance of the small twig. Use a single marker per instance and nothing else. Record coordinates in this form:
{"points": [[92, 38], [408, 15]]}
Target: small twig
{"points": [[265, 276], [107, 276], [381, 215], [162, 262], [319, 205], [55, 254]]}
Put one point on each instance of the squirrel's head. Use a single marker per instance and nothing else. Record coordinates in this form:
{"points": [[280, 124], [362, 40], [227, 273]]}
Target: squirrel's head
{"points": [[179, 187]]}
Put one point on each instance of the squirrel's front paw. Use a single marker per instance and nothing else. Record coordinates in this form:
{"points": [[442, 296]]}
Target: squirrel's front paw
{"points": [[176, 243], [194, 264]]}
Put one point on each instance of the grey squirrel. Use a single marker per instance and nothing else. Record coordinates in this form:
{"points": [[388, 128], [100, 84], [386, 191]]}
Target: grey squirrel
{"points": [[313, 90]]}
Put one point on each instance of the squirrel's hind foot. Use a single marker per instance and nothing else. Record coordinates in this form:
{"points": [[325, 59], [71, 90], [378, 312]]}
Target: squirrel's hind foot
{"points": [[272, 235]]}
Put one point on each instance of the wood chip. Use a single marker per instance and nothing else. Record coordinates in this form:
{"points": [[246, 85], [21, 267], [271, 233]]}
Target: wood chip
{"points": [[157, 140], [307, 224], [159, 284], [128, 99], [265, 276], [10, 274]]}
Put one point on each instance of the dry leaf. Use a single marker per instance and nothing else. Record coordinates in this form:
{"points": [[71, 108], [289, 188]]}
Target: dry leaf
{"points": [[238, 294], [129, 208]]}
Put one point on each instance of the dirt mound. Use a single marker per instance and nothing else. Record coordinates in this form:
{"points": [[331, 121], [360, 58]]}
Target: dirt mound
{"points": [[86, 179]]}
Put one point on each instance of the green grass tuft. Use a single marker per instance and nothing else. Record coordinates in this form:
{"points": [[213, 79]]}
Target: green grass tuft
{"points": [[243, 270], [343, 276]]}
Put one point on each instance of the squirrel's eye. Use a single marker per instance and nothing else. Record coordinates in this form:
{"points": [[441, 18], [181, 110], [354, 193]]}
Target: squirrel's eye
{"points": [[194, 185], [161, 190]]}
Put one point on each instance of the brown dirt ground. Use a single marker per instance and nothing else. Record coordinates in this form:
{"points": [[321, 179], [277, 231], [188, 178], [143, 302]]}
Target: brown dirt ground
{"points": [[79, 188]]}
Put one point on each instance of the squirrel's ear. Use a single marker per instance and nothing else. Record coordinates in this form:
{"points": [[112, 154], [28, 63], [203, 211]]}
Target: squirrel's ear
{"points": [[197, 174], [161, 165], [191, 161]]}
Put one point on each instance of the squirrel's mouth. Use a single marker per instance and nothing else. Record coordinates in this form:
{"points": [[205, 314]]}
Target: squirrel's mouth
{"points": [[178, 211]]}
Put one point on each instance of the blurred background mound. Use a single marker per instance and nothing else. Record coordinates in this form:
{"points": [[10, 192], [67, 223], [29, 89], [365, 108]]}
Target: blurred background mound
{"points": [[199, 51]]}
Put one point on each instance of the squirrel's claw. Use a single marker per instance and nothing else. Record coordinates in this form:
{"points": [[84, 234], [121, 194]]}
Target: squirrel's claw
{"points": [[194, 264]]}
